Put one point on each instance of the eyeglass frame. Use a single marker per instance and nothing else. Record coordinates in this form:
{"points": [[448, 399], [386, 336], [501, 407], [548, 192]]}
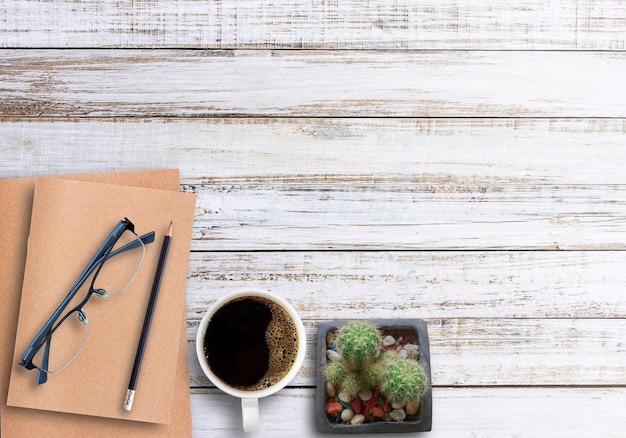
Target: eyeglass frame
{"points": [[102, 255]]}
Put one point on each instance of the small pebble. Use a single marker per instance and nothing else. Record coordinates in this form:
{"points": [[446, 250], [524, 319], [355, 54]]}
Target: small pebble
{"points": [[403, 354], [330, 389], [412, 407], [397, 415], [347, 415], [344, 397], [389, 340], [330, 338], [365, 394], [413, 350], [397, 404], [357, 419], [333, 356]]}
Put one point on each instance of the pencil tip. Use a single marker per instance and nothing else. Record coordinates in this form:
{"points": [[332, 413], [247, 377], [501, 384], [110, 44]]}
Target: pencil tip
{"points": [[169, 229]]}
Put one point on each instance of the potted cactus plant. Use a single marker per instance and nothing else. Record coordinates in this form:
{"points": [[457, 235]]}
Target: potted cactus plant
{"points": [[373, 376]]}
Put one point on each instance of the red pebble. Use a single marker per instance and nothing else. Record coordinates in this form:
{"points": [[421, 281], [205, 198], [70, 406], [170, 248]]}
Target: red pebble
{"points": [[333, 408], [378, 412], [357, 406], [371, 402]]}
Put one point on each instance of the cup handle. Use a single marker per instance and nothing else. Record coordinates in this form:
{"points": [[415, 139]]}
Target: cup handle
{"points": [[250, 414]]}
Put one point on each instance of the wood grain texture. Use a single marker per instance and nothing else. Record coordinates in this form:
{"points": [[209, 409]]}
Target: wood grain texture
{"points": [[145, 83], [217, 151], [458, 162], [377, 24], [392, 284], [408, 216], [457, 413]]}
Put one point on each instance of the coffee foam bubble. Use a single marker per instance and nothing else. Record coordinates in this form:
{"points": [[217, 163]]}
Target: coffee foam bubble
{"points": [[282, 340]]}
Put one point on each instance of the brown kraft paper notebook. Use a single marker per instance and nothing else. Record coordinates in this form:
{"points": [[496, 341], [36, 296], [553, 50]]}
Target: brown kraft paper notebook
{"points": [[16, 206]]}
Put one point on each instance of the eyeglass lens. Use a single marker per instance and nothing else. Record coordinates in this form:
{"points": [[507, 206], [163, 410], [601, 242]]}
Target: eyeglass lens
{"points": [[69, 337]]}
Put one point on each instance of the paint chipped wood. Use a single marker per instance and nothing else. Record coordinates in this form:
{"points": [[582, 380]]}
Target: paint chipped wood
{"points": [[311, 24], [147, 83]]}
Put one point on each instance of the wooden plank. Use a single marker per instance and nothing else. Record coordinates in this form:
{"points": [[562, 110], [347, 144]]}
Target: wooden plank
{"points": [[385, 284], [288, 83], [457, 413], [350, 24], [497, 352], [408, 216], [219, 151]]}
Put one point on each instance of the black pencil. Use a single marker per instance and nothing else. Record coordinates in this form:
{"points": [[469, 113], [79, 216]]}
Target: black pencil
{"points": [[132, 385]]}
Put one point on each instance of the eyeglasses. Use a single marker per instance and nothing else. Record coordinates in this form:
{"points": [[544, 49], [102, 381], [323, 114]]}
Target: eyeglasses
{"points": [[116, 264]]}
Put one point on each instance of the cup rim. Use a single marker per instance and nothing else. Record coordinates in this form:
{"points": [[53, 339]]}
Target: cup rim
{"points": [[263, 392]]}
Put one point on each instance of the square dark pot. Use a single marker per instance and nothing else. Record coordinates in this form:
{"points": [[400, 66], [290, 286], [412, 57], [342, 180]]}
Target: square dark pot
{"points": [[420, 422]]}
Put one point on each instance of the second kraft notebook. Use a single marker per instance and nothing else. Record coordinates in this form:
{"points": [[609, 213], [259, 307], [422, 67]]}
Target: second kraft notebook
{"points": [[70, 220]]}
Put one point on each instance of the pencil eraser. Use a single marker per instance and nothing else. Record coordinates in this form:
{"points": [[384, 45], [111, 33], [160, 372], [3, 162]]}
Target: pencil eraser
{"points": [[128, 401]]}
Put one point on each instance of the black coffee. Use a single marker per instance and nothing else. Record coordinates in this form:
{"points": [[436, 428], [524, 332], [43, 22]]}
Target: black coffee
{"points": [[251, 343]]}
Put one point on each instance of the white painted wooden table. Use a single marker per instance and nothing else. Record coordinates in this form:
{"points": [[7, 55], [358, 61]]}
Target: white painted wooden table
{"points": [[457, 161]]}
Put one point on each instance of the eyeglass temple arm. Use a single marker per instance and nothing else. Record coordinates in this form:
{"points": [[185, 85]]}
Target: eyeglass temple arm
{"points": [[145, 239], [42, 377], [43, 333]]}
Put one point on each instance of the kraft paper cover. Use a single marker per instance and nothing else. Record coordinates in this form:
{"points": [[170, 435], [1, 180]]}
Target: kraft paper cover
{"points": [[69, 221]]}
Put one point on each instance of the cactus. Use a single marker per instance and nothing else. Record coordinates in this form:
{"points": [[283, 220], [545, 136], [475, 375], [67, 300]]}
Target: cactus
{"points": [[335, 372], [359, 343], [350, 385], [363, 364], [373, 376], [405, 381]]}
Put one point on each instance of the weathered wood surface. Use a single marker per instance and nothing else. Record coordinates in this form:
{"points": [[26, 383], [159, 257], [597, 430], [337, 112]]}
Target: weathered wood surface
{"points": [[388, 284], [302, 24], [459, 162], [464, 413], [288, 83], [326, 150]]}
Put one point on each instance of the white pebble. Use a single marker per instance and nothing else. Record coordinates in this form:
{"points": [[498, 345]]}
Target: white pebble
{"points": [[357, 419], [403, 354], [389, 340], [413, 350], [344, 397], [365, 394], [397, 404], [412, 407], [398, 415], [347, 415], [333, 356], [330, 389]]}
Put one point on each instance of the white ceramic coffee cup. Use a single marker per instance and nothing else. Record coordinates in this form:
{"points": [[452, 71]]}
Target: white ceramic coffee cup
{"points": [[250, 399]]}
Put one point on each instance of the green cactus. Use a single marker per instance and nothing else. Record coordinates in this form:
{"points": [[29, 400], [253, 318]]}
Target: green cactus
{"points": [[405, 380], [388, 358], [373, 376], [350, 385], [359, 344], [335, 372]]}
